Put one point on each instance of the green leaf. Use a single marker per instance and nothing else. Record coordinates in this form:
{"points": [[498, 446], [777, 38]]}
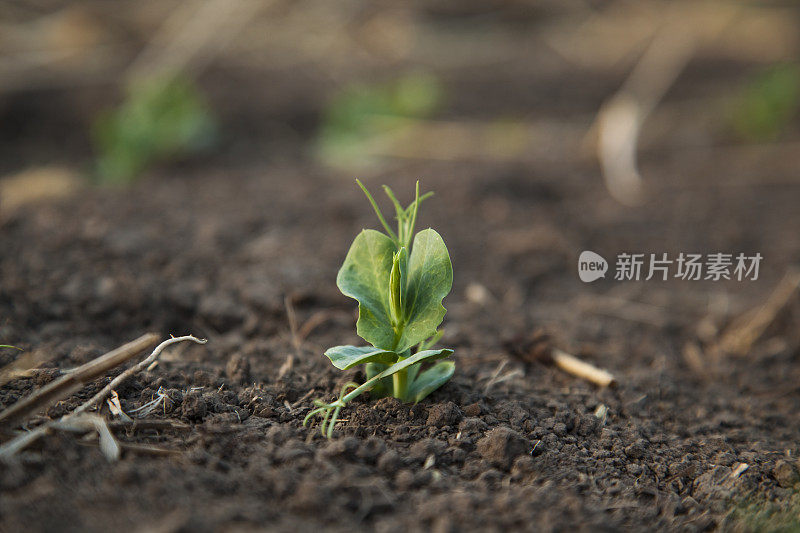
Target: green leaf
{"points": [[397, 285], [426, 355], [364, 276], [430, 380], [344, 357], [430, 278]]}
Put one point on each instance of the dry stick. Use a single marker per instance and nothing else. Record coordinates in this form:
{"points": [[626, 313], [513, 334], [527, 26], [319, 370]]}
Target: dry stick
{"points": [[70, 383], [89, 422], [100, 396], [192, 36], [317, 319], [135, 425], [22, 366], [620, 119], [292, 318], [496, 373], [12, 447], [147, 449], [144, 449], [572, 365], [740, 336]]}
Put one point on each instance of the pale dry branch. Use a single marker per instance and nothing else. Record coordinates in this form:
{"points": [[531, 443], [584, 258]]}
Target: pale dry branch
{"points": [[192, 36], [315, 320], [71, 382], [79, 420], [100, 396], [572, 365], [620, 119], [746, 330], [22, 366]]}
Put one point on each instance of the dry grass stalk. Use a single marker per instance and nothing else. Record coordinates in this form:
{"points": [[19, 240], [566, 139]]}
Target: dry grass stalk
{"points": [[78, 420], [746, 330], [70, 383], [572, 365]]}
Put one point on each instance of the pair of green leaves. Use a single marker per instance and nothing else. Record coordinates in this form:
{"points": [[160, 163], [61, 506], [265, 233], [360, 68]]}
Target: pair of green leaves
{"points": [[421, 383], [382, 364], [365, 277]]}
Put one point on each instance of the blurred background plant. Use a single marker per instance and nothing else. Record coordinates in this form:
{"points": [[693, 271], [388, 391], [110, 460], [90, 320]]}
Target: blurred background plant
{"points": [[533, 84], [159, 120], [361, 114], [768, 104], [758, 514]]}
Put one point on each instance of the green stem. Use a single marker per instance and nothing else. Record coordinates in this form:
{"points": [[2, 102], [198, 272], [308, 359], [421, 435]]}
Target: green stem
{"points": [[378, 212], [400, 382]]}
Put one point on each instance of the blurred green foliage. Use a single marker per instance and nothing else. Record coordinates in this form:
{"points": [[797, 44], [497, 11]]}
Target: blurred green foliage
{"points": [[768, 103], [362, 112], [761, 515], [160, 119]]}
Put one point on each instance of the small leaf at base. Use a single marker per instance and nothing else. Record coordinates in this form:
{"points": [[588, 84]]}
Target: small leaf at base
{"points": [[430, 380], [426, 355], [344, 357]]}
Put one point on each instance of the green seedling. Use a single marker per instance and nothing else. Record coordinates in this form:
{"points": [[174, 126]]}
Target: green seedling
{"points": [[399, 286], [754, 513], [363, 114], [768, 104], [160, 119]]}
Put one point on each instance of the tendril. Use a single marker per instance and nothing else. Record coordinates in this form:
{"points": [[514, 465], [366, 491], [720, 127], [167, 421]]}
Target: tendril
{"points": [[330, 410]]}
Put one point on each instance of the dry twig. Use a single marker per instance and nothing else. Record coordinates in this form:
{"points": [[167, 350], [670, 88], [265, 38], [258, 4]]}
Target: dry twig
{"points": [[192, 36], [745, 331], [620, 119], [79, 420], [537, 348], [572, 365], [100, 396], [70, 383], [291, 316], [22, 366]]}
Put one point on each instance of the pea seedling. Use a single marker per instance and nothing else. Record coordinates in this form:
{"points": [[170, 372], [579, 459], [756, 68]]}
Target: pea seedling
{"points": [[399, 288]]}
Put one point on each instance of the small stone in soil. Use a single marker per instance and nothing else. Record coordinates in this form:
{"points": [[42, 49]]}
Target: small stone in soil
{"points": [[472, 409], [444, 414], [193, 406], [501, 446], [238, 369], [345, 447], [636, 450], [785, 474], [422, 449]]}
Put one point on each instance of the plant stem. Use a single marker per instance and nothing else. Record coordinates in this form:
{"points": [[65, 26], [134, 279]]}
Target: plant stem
{"points": [[400, 382], [380, 215]]}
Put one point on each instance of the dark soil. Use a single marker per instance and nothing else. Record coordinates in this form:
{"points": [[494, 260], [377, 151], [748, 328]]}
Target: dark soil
{"points": [[215, 252], [218, 247]]}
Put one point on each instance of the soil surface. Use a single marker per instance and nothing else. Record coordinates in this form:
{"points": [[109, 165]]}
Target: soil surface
{"points": [[221, 248], [507, 444]]}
